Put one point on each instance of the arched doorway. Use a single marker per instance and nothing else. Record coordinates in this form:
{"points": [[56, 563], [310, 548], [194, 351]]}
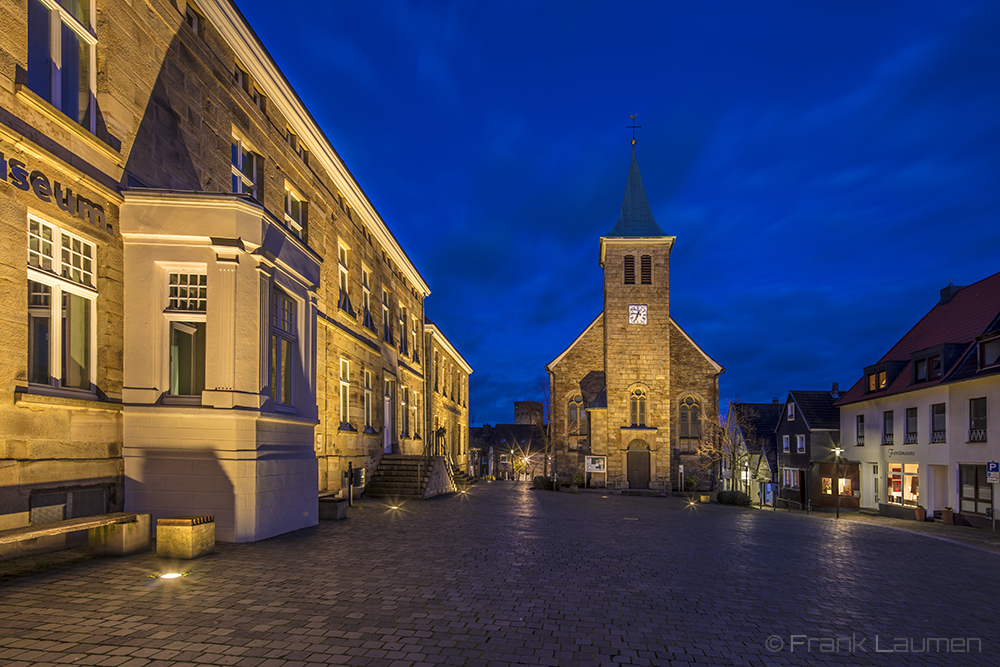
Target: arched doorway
{"points": [[637, 465]]}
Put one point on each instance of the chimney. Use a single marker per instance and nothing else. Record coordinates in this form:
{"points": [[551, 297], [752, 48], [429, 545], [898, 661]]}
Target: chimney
{"points": [[836, 388], [949, 292], [774, 400]]}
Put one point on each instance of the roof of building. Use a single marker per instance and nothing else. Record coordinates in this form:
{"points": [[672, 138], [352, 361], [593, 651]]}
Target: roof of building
{"points": [[970, 312], [758, 421], [636, 219], [526, 437], [817, 409]]}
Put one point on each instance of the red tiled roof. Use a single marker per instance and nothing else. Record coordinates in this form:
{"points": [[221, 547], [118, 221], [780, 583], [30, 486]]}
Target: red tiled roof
{"points": [[966, 316]]}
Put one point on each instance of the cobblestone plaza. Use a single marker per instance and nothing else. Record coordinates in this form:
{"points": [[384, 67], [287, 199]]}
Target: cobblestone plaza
{"points": [[505, 575]]}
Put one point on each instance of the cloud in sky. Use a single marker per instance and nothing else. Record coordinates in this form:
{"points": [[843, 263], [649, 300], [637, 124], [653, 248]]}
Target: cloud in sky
{"points": [[825, 168]]}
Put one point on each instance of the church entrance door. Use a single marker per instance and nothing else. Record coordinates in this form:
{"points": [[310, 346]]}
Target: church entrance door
{"points": [[638, 468]]}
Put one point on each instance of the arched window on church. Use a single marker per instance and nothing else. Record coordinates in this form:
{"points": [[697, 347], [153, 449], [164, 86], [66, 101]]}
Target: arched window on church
{"points": [[690, 421], [630, 269], [638, 407], [577, 416], [646, 270]]}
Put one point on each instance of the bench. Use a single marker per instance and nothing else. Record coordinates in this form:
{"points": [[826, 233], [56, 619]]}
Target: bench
{"points": [[119, 533]]}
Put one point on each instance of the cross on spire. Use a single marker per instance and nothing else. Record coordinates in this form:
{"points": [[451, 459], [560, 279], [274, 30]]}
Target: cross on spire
{"points": [[632, 127]]}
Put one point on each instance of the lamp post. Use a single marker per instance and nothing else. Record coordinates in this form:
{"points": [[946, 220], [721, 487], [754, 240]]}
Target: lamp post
{"points": [[837, 451]]}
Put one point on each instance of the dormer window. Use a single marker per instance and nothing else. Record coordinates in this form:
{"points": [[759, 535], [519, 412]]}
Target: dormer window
{"points": [[876, 381], [989, 353], [927, 369]]}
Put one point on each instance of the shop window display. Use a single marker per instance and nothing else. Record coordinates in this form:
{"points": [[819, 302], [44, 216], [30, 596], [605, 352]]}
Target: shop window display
{"points": [[904, 484]]}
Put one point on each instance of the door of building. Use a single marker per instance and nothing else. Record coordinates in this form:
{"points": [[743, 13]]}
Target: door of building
{"points": [[638, 469]]}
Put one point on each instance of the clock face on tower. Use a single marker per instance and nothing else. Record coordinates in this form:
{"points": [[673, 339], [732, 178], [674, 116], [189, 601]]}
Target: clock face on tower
{"points": [[637, 314]]}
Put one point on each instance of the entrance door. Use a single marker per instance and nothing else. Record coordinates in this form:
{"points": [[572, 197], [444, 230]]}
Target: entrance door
{"points": [[638, 469]]}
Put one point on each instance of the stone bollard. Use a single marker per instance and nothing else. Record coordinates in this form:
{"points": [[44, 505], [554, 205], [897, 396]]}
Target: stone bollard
{"points": [[185, 537]]}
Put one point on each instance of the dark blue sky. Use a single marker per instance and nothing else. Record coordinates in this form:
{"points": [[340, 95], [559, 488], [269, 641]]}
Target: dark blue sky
{"points": [[826, 167]]}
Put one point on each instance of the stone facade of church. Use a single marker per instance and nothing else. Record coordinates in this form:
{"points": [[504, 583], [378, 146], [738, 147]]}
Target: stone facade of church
{"points": [[631, 393]]}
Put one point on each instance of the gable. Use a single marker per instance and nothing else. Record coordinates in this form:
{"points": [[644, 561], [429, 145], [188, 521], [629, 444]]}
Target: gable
{"points": [[683, 346], [590, 344]]}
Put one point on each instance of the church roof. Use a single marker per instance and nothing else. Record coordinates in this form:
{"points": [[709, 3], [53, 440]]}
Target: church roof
{"points": [[636, 219]]}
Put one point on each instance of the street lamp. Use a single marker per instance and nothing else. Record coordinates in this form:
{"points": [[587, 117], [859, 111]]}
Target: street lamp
{"points": [[837, 451]]}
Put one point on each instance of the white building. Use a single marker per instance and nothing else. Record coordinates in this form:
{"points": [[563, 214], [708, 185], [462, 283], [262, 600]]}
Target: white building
{"points": [[923, 421]]}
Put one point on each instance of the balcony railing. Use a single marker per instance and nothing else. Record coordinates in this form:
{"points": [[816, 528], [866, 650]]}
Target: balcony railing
{"points": [[861, 441], [937, 436], [887, 438], [911, 439], [977, 435]]}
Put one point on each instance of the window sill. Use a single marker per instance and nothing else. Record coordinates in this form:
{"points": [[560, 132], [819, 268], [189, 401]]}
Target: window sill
{"points": [[344, 426], [370, 431], [32, 99], [171, 399], [285, 409], [63, 398]]}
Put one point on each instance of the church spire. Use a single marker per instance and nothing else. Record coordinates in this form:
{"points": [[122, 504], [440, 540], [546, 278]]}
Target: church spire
{"points": [[636, 219]]}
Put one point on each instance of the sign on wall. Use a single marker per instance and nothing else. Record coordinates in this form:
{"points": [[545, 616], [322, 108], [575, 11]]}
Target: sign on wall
{"points": [[596, 463]]}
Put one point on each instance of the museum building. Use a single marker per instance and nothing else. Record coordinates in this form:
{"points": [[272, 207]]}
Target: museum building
{"points": [[205, 312]]}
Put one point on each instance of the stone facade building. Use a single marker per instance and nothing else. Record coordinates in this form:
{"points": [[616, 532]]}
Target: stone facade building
{"points": [[447, 387], [205, 312], [630, 393]]}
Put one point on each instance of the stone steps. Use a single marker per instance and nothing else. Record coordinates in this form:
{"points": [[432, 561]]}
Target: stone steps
{"points": [[399, 476]]}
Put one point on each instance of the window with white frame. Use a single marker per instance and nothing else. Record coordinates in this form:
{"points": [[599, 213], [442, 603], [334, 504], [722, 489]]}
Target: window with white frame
{"points": [[295, 211], [415, 337], [417, 426], [62, 60], [283, 342], [244, 167], [938, 419], [62, 305], [187, 300], [368, 400], [366, 297], [800, 443], [784, 444], [404, 399], [402, 330], [386, 328], [345, 391], [344, 300], [977, 419], [791, 412], [193, 19], [790, 478]]}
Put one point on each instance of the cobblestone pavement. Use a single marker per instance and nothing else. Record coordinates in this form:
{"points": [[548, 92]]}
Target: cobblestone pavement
{"points": [[505, 575]]}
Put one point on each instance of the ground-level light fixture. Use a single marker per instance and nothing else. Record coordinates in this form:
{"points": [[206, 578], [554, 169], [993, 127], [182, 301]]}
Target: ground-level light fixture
{"points": [[171, 575]]}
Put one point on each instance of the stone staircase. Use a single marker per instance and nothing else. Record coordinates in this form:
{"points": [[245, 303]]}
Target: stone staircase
{"points": [[399, 477], [462, 480]]}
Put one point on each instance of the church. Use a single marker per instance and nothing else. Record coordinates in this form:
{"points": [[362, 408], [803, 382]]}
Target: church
{"points": [[632, 395]]}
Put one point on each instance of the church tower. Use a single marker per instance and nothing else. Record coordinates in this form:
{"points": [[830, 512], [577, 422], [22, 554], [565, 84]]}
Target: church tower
{"points": [[635, 256]]}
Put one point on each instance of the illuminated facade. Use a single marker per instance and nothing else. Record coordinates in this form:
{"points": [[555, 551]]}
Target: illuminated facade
{"points": [[630, 394], [206, 314]]}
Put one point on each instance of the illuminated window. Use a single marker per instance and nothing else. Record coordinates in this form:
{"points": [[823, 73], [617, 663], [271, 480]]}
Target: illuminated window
{"points": [[62, 65], [877, 381], [903, 484]]}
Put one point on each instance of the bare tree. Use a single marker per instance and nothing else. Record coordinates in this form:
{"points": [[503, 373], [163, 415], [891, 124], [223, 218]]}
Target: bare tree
{"points": [[732, 439]]}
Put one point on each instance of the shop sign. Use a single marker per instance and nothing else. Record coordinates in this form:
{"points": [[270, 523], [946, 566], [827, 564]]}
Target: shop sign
{"points": [[900, 452], [37, 182], [596, 463]]}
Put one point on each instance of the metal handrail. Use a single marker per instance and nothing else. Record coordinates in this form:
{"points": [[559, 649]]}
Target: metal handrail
{"points": [[618, 480]]}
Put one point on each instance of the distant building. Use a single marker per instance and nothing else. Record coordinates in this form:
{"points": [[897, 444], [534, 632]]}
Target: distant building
{"points": [[509, 451], [753, 465], [447, 388], [630, 394], [808, 433], [922, 420], [529, 412]]}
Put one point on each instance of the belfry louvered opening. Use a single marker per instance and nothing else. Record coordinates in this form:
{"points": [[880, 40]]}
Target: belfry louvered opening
{"points": [[630, 269], [646, 270]]}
